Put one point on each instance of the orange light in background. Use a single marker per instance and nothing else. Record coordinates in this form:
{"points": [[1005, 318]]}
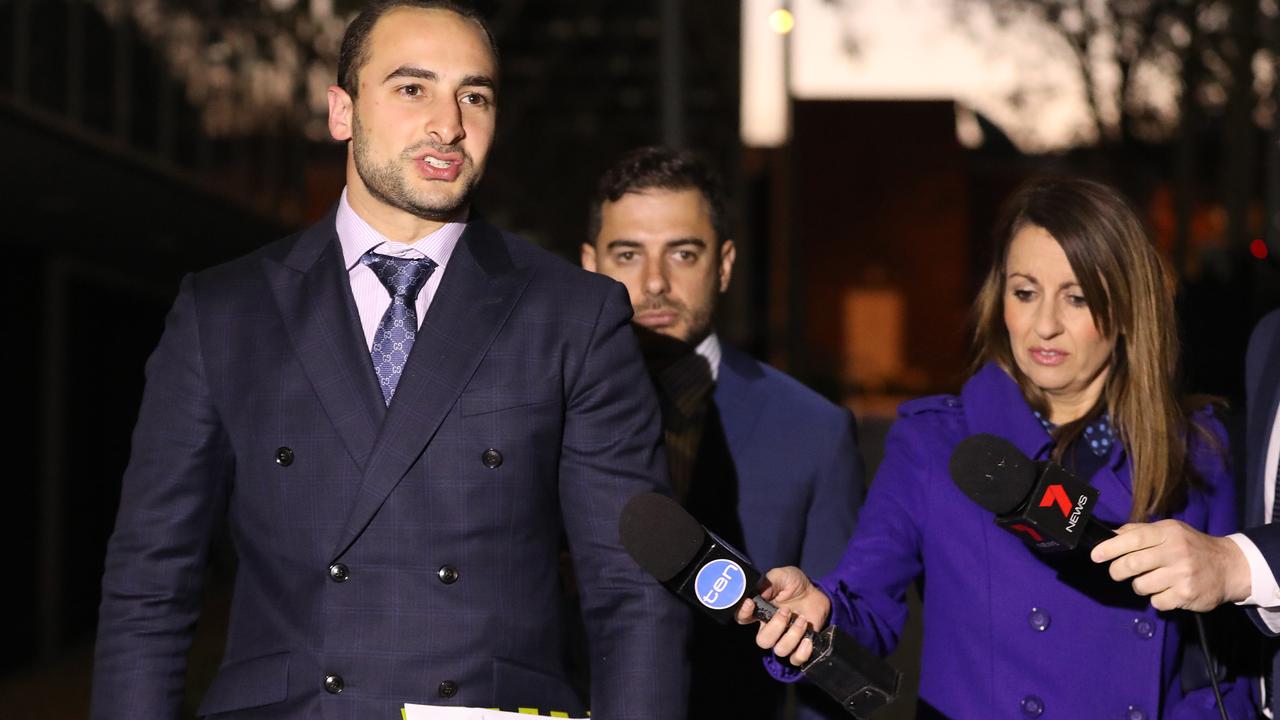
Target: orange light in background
{"points": [[1259, 249], [781, 21]]}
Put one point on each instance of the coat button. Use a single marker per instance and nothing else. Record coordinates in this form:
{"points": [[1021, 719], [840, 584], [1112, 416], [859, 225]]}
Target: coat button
{"points": [[284, 456], [1038, 620], [339, 572], [1144, 628], [491, 458], [1135, 713], [448, 574], [447, 689], [1032, 706], [333, 684]]}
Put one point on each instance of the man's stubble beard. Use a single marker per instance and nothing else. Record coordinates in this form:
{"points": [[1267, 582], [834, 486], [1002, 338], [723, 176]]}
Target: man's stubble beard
{"points": [[386, 183], [698, 323]]}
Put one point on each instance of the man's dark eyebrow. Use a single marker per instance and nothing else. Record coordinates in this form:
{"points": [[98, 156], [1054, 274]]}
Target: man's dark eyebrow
{"points": [[483, 81], [622, 243], [408, 71], [699, 242]]}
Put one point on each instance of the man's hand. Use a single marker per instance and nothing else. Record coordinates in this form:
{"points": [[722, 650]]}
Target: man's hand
{"points": [[1177, 565], [800, 606]]}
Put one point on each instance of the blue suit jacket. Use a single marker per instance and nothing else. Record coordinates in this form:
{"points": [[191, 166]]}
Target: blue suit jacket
{"points": [[1262, 383], [795, 454], [450, 552], [790, 497]]}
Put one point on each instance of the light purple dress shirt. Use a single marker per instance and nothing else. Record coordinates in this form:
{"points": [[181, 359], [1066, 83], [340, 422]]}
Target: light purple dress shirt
{"points": [[372, 299]]}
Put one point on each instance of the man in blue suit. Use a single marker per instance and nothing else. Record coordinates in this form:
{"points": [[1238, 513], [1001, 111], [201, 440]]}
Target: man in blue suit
{"points": [[765, 462], [1181, 568], [399, 412]]}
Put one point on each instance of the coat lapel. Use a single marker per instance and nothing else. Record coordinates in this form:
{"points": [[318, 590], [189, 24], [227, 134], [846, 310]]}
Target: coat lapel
{"points": [[739, 404], [1263, 405], [480, 287], [993, 404], [313, 295]]}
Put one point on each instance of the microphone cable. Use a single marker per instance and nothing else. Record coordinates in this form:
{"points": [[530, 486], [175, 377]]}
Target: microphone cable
{"points": [[1209, 665]]}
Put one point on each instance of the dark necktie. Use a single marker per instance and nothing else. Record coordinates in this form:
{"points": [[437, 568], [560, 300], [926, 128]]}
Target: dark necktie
{"points": [[684, 388], [403, 278]]}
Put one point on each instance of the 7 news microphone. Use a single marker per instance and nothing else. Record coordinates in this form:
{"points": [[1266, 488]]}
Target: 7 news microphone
{"points": [[1043, 502], [708, 573]]}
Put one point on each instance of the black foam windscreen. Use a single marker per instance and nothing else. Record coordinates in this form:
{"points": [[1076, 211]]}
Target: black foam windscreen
{"points": [[992, 472], [660, 535]]}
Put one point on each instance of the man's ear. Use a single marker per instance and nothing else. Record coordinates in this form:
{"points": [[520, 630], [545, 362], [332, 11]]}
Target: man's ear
{"points": [[341, 127], [727, 255], [589, 257]]}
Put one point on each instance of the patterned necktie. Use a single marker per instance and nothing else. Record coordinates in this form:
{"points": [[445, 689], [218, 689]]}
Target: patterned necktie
{"points": [[1275, 497], [403, 278]]}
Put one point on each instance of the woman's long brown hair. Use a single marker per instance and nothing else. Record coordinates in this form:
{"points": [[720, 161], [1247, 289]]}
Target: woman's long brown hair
{"points": [[1130, 296]]}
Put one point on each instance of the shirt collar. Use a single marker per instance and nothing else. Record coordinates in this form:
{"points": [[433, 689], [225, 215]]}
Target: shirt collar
{"points": [[709, 348], [1099, 433], [358, 237]]}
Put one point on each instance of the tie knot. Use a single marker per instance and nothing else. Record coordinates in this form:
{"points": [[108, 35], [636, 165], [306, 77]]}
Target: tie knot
{"points": [[403, 277]]}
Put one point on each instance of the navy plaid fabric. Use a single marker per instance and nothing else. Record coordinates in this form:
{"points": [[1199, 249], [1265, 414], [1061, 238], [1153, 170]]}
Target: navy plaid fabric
{"points": [[403, 278]]}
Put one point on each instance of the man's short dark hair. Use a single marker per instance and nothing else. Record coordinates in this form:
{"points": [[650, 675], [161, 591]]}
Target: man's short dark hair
{"points": [[660, 168], [355, 42]]}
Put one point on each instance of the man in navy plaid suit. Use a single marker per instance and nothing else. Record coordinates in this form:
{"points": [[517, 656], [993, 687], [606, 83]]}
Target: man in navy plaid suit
{"points": [[400, 412]]}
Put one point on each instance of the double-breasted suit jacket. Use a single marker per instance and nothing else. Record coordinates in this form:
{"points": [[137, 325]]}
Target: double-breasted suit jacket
{"points": [[390, 554]]}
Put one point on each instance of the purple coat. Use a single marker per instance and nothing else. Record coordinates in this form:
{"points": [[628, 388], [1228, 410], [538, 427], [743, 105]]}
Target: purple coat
{"points": [[1004, 635]]}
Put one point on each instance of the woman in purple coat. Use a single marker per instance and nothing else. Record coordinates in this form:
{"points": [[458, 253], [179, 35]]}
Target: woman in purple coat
{"points": [[1075, 347]]}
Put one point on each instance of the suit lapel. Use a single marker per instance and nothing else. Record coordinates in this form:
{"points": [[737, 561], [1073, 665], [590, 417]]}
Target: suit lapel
{"points": [[1263, 405], [738, 402], [313, 295], [479, 290]]}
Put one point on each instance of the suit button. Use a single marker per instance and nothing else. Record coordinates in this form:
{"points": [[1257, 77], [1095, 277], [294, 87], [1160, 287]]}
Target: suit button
{"points": [[1032, 706], [448, 574], [339, 572], [1144, 628], [333, 684], [491, 458], [1038, 620], [284, 456], [1135, 713], [447, 689]]}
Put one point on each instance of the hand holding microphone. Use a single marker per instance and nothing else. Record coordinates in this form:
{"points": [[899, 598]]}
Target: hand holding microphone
{"points": [[1177, 565], [801, 606], [711, 575]]}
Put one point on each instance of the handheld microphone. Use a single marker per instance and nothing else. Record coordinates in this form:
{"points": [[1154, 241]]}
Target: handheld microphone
{"points": [[1043, 502], [708, 573]]}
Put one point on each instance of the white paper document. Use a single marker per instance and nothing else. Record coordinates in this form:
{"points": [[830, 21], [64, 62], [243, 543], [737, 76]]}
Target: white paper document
{"points": [[439, 712]]}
